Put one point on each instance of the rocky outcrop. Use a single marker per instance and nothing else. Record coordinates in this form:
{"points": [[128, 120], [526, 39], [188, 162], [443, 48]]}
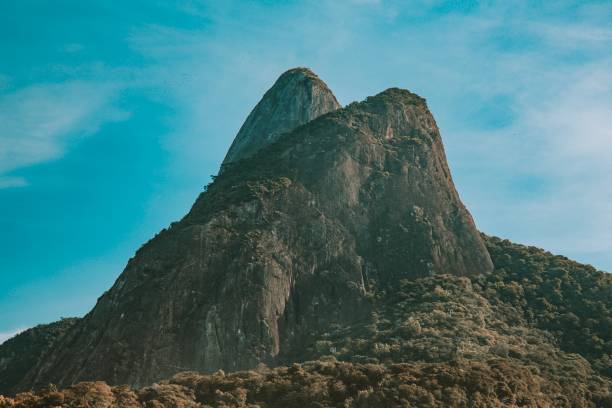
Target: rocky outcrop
{"points": [[297, 97], [294, 239]]}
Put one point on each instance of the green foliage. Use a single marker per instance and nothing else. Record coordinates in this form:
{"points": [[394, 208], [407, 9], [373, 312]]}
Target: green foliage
{"points": [[330, 383], [571, 301], [22, 352]]}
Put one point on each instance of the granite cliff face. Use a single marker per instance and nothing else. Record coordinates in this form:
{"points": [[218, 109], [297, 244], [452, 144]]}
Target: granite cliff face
{"points": [[292, 239], [297, 97]]}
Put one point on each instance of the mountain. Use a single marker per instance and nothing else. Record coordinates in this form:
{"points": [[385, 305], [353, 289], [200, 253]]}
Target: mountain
{"points": [[334, 246], [296, 98], [283, 245]]}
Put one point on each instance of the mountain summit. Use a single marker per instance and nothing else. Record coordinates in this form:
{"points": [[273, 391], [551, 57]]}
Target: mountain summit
{"points": [[297, 97]]}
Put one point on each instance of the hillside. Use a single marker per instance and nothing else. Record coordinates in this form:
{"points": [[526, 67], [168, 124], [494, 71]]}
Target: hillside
{"points": [[439, 341], [523, 336], [19, 354]]}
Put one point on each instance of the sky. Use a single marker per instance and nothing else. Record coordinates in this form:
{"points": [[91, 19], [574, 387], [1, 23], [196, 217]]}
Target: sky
{"points": [[114, 115]]}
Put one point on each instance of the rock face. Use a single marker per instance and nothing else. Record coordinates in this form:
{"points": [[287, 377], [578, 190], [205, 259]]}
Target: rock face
{"points": [[297, 97], [285, 244]]}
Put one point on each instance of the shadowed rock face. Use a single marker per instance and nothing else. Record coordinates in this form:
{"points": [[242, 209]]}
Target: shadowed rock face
{"points": [[283, 245], [297, 97]]}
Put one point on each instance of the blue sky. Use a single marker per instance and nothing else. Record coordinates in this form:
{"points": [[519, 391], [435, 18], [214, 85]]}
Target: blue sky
{"points": [[113, 117]]}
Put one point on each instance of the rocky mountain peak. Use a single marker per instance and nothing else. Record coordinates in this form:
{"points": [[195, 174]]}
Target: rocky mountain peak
{"points": [[297, 97], [313, 217]]}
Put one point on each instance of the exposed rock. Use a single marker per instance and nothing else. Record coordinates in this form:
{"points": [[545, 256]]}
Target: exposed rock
{"points": [[296, 98], [284, 245]]}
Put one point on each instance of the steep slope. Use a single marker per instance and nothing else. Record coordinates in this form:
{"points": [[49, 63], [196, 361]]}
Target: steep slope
{"points": [[283, 246], [297, 97]]}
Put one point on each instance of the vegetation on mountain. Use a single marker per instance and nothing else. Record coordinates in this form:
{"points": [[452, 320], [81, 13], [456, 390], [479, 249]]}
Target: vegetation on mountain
{"points": [[570, 301], [330, 383], [498, 340], [21, 352]]}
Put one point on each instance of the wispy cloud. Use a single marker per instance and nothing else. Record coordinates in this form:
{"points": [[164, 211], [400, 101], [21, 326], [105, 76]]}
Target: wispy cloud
{"points": [[38, 121], [547, 171], [570, 138]]}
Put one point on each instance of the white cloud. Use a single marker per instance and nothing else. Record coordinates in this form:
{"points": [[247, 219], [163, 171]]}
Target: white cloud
{"points": [[37, 122], [560, 142], [4, 336], [573, 35]]}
